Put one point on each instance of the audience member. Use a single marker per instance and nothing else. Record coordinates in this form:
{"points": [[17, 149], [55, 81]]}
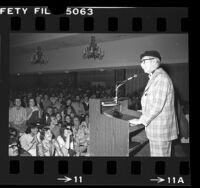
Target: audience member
{"points": [[29, 140], [17, 116], [65, 140], [48, 145], [78, 107], [54, 126], [33, 113]]}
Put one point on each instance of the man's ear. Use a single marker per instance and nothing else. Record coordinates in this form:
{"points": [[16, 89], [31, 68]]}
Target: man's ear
{"points": [[156, 62]]}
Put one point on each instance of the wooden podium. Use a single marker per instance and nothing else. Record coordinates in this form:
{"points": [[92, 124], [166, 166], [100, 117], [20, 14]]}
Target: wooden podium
{"points": [[110, 136]]}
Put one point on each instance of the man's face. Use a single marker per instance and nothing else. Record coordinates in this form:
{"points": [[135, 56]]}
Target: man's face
{"points": [[18, 102], [86, 99], [31, 102], [76, 122], [69, 102], [69, 110], [49, 111], [147, 64], [67, 119]]}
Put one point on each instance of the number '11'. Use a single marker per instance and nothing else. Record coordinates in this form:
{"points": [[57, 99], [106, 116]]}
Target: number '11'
{"points": [[78, 179]]}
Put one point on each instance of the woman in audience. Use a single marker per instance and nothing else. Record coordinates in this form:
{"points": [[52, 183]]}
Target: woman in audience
{"points": [[62, 113], [65, 140], [68, 121], [54, 126], [59, 118], [69, 110], [48, 145], [80, 144], [72, 115], [55, 110]]}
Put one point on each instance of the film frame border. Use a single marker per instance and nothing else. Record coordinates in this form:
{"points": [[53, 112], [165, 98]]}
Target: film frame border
{"points": [[113, 23]]}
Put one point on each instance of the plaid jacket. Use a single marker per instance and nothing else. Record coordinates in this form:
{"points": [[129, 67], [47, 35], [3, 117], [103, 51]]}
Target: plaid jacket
{"points": [[158, 112]]}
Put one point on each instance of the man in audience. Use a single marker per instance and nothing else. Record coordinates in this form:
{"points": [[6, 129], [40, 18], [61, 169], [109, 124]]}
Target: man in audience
{"points": [[46, 116], [33, 113], [17, 116], [29, 140], [53, 99], [86, 104], [69, 103], [58, 103], [46, 102], [78, 107]]}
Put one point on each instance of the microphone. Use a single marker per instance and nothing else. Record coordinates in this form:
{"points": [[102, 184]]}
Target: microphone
{"points": [[130, 78], [122, 83], [134, 76]]}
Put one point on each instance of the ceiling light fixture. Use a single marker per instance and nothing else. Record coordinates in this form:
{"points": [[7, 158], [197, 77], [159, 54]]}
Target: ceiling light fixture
{"points": [[38, 57], [93, 51]]}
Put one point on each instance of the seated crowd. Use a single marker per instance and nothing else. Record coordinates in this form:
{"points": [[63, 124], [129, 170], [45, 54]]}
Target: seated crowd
{"points": [[44, 124]]}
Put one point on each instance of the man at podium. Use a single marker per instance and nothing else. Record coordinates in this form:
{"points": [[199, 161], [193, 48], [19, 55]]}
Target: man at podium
{"points": [[158, 111]]}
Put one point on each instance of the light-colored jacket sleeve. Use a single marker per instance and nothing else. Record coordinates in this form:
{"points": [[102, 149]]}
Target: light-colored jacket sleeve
{"points": [[158, 92], [25, 143]]}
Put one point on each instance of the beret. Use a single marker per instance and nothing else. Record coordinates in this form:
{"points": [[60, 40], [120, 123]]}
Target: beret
{"points": [[152, 53]]}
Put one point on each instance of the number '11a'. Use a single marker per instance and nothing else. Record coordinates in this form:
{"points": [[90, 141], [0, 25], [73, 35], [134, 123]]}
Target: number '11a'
{"points": [[175, 180]]}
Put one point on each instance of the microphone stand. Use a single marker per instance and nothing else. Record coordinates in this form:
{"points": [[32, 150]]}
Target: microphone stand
{"points": [[116, 112], [116, 90]]}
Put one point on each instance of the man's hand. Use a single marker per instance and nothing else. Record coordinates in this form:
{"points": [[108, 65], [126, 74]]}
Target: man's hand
{"points": [[134, 122]]}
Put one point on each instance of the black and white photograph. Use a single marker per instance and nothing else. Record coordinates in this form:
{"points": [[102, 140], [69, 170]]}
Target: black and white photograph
{"points": [[98, 95]]}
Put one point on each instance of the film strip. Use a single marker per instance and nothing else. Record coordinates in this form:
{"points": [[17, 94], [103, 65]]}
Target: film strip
{"points": [[87, 170]]}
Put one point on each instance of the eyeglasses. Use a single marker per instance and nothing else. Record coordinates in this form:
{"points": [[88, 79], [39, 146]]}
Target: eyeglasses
{"points": [[143, 60]]}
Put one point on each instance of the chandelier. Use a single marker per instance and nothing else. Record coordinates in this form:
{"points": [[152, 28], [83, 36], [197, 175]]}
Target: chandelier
{"points": [[39, 57], [93, 51]]}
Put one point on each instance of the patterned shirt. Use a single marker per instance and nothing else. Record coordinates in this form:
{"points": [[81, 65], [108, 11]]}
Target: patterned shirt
{"points": [[17, 116], [158, 112]]}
